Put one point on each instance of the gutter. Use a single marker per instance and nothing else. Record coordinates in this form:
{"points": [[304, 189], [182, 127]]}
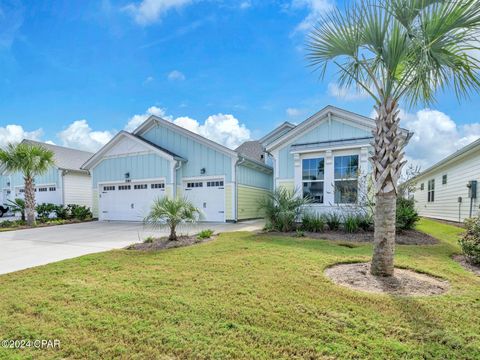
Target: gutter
{"points": [[239, 162]]}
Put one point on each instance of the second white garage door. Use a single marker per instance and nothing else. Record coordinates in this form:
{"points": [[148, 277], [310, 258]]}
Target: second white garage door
{"points": [[208, 196], [128, 201]]}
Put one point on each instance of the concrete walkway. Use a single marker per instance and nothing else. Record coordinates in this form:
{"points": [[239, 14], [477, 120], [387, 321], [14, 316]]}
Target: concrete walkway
{"points": [[23, 249]]}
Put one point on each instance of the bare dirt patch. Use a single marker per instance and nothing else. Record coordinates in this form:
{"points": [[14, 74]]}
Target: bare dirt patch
{"points": [[468, 266], [407, 237], [163, 243], [404, 282]]}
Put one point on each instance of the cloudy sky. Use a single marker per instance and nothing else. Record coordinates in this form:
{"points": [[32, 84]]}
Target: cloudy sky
{"points": [[76, 72]]}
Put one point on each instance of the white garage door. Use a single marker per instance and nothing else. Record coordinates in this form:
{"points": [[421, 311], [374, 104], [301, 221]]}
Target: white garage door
{"points": [[128, 201], [208, 196], [44, 194]]}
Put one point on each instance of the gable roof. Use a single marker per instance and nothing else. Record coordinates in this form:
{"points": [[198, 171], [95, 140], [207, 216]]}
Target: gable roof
{"points": [[251, 149], [324, 114], [466, 150], [275, 133], [65, 158], [153, 120], [97, 157]]}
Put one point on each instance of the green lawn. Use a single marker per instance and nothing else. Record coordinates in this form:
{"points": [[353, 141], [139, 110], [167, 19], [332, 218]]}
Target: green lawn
{"points": [[240, 296]]}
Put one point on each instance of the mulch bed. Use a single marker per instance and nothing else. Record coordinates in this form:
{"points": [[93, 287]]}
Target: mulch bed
{"points": [[403, 283], [468, 266], [163, 243], [407, 237]]}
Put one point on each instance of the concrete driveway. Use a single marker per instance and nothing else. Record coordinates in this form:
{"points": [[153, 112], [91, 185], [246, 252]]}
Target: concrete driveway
{"points": [[23, 249]]}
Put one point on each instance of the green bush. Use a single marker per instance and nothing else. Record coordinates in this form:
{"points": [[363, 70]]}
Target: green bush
{"points": [[333, 221], [149, 240], [351, 223], [7, 224], [365, 222], [61, 212], [45, 210], [313, 222], [205, 234], [407, 216], [282, 209], [470, 241], [79, 212]]}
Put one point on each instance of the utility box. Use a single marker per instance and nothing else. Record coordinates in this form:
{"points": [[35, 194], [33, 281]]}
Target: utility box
{"points": [[472, 189]]}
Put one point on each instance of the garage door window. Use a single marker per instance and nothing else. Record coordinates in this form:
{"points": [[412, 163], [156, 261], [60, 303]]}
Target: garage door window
{"points": [[140, 186], [214, 183], [109, 188], [42, 189], [124, 187], [194, 184], [157, 186], [52, 188]]}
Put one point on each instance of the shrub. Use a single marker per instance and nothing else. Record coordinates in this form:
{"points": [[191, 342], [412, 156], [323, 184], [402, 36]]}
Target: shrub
{"points": [[407, 216], [149, 240], [17, 206], [7, 224], [282, 209], [333, 221], [313, 222], [351, 223], [205, 234], [470, 241], [79, 212], [365, 222], [45, 210], [61, 212]]}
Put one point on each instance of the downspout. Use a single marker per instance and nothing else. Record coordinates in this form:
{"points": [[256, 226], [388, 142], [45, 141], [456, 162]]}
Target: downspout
{"points": [[240, 161], [177, 167]]}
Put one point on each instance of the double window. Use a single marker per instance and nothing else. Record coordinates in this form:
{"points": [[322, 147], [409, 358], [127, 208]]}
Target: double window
{"points": [[313, 176], [431, 190], [346, 179]]}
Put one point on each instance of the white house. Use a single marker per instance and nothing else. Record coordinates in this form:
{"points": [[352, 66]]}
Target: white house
{"points": [[64, 182], [449, 190]]}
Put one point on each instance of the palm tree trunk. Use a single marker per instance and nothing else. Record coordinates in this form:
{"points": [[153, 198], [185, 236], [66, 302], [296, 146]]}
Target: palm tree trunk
{"points": [[387, 166], [173, 233], [29, 201]]}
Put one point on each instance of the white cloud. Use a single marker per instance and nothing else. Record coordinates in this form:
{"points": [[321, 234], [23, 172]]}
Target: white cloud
{"points": [[16, 133], [148, 80], [346, 94], [136, 120], [293, 112], [79, 135], [150, 11], [176, 75], [245, 4], [436, 136], [315, 8]]}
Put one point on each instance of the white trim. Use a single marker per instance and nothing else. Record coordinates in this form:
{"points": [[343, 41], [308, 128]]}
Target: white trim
{"points": [[275, 131], [164, 179], [37, 185], [203, 178], [153, 120], [332, 148]]}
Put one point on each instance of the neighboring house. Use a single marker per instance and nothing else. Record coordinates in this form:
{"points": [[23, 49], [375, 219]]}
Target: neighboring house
{"points": [[160, 159], [64, 182], [449, 189], [325, 157]]}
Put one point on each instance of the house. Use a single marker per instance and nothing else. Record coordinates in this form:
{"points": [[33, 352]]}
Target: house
{"points": [[326, 157], [449, 190], [64, 182], [160, 159]]}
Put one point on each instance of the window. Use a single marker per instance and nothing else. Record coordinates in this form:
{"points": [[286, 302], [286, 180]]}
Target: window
{"points": [[158, 186], [109, 188], [194, 184], [313, 174], [124, 187], [431, 190], [444, 179], [140, 186], [346, 179], [52, 188], [214, 183], [22, 190], [42, 189], [422, 186]]}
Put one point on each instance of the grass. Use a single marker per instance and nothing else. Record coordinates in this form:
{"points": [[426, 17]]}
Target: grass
{"points": [[240, 296]]}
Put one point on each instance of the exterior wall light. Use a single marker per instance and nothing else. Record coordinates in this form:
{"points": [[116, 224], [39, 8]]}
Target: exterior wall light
{"points": [[203, 171]]}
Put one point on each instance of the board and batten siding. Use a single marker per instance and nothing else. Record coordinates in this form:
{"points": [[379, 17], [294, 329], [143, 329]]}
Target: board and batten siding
{"points": [[253, 185], [324, 131], [50, 177], [445, 205], [77, 188], [199, 155], [139, 166]]}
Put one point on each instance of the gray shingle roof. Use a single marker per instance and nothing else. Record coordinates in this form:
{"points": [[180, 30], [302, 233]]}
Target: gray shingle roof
{"points": [[252, 149], [65, 158]]}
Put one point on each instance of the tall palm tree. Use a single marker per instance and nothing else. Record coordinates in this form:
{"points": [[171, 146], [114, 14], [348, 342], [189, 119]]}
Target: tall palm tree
{"points": [[398, 50], [30, 160]]}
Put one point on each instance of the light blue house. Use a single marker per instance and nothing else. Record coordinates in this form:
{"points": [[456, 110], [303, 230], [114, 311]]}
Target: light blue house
{"points": [[324, 157], [161, 159]]}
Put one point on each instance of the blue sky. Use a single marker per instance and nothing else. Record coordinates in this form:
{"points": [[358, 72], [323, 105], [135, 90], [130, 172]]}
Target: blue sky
{"points": [[75, 72]]}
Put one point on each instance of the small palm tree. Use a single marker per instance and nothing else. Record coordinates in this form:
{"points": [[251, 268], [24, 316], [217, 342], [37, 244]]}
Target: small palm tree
{"points": [[30, 160], [17, 206], [166, 212], [398, 50], [283, 208]]}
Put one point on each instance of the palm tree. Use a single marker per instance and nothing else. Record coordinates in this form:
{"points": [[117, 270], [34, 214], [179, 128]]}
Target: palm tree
{"points": [[171, 213], [397, 50], [30, 160], [17, 206]]}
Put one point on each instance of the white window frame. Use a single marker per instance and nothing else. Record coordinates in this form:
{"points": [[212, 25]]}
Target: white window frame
{"points": [[314, 181], [335, 180]]}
